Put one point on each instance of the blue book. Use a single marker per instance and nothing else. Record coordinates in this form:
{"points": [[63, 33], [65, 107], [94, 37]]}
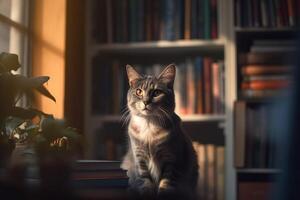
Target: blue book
{"points": [[168, 20], [179, 19]]}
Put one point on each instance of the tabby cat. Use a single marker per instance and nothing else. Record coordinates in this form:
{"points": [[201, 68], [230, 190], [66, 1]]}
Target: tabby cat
{"points": [[160, 161]]}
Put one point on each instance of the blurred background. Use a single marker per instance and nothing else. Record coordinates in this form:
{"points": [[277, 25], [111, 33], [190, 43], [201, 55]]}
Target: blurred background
{"points": [[234, 85]]}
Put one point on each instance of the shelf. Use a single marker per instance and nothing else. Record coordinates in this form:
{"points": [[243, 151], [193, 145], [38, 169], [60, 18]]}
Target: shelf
{"points": [[258, 171], [161, 46], [185, 118], [264, 29]]}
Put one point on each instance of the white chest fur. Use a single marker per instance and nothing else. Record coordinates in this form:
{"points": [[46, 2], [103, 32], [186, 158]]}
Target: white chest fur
{"points": [[146, 131]]}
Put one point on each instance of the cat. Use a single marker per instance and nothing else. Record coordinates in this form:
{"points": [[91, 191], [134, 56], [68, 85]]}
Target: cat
{"points": [[160, 161]]}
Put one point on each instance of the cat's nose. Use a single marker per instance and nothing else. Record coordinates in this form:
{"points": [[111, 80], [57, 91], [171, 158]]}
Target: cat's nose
{"points": [[146, 102]]}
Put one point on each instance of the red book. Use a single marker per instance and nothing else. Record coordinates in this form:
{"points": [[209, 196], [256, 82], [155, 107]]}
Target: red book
{"points": [[254, 190], [187, 19], [291, 13], [261, 85], [207, 86], [215, 88], [214, 19]]}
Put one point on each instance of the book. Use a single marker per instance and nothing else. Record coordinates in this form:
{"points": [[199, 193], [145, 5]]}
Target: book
{"points": [[269, 58], [202, 177], [266, 77], [211, 172], [191, 87], [207, 19], [239, 133], [249, 190], [264, 69], [207, 85], [214, 17], [187, 19], [199, 85], [220, 190], [260, 93], [216, 88], [269, 84]]}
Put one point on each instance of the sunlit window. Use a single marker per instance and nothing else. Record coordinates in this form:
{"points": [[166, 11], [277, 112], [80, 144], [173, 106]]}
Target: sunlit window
{"points": [[14, 29]]}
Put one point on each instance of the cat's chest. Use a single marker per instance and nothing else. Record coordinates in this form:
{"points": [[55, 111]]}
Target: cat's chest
{"points": [[145, 131]]}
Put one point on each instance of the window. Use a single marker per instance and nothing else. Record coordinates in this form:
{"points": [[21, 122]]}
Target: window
{"points": [[14, 30]]}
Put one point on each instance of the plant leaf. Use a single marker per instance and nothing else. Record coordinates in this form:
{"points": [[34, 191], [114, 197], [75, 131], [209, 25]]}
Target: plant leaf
{"points": [[26, 84], [43, 90], [13, 122], [23, 113], [9, 62]]}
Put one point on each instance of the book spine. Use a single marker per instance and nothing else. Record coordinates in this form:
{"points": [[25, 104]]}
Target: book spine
{"points": [[239, 133], [220, 192], [207, 19], [109, 22], [215, 88], [133, 20], [190, 86], [211, 172], [140, 20], [291, 12], [200, 17], [207, 86], [194, 26], [199, 85], [148, 19], [214, 19], [187, 20]]}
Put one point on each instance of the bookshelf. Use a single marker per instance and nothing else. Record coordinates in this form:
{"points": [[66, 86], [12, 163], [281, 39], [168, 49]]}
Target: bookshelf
{"points": [[212, 128], [264, 39]]}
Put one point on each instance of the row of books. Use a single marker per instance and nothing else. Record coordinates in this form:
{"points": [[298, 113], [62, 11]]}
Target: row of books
{"points": [[99, 179], [267, 13], [266, 68], [199, 86], [255, 135], [211, 171], [120, 21]]}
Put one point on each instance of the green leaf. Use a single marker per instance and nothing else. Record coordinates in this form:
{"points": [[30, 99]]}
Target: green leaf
{"points": [[43, 90], [23, 113], [9, 62], [26, 84], [13, 122]]}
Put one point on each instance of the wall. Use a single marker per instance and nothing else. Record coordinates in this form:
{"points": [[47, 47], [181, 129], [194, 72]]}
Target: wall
{"points": [[48, 51]]}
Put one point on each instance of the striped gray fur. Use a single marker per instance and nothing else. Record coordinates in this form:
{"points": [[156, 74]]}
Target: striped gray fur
{"points": [[160, 161]]}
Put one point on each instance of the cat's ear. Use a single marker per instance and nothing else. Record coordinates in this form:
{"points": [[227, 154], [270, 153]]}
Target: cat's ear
{"points": [[168, 75], [132, 74]]}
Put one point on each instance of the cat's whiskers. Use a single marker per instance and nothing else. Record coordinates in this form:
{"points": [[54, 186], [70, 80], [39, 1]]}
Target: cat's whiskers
{"points": [[125, 116]]}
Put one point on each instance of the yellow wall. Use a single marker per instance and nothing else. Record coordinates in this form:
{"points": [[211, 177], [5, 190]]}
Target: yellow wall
{"points": [[48, 51]]}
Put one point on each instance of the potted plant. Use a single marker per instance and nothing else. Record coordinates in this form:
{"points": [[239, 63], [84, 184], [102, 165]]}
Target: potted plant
{"points": [[52, 143]]}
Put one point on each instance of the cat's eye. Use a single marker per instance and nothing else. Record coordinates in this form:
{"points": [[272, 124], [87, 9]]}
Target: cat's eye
{"points": [[156, 93], [139, 92]]}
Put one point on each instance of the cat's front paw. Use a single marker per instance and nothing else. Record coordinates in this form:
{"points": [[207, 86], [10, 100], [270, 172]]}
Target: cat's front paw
{"points": [[165, 187]]}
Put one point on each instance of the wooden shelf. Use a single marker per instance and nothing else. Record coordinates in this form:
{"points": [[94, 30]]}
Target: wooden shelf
{"points": [[185, 118], [160, 46]]}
